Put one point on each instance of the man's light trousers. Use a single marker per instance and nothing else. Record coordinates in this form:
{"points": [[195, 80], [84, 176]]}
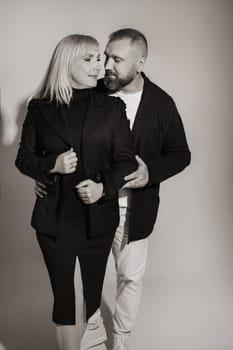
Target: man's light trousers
{"points": [[130, 261]]}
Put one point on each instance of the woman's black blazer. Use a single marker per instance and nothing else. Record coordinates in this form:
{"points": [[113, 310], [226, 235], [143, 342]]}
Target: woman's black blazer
{"points": [[107, 156]]}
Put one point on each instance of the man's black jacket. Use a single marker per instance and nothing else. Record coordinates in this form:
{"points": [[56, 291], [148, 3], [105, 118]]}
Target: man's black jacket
{"points": [[160, 141]]}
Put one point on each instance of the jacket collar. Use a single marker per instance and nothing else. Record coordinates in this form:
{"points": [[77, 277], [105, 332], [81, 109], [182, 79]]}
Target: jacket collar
{"points": [[146, 89], [146, 94], [55, 115], [145, 99]]}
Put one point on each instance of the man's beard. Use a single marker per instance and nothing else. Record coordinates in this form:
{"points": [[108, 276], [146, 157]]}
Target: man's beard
{"points": [[114, 83]]}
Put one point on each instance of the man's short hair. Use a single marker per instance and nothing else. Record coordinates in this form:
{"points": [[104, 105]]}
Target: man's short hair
{"points": [[134, 35]]}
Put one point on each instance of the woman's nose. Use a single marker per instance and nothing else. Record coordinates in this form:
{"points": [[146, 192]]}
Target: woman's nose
{"points": [[97, 66]]}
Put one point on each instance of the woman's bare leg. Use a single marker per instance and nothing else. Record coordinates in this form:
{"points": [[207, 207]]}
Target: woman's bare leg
{"points": [[68, 337]]}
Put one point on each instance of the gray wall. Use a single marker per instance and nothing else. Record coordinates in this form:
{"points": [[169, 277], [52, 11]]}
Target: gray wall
{"points": [[187, 301]]}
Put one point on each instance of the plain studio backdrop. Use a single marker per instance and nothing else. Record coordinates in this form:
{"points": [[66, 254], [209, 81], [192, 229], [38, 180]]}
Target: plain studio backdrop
{"points": [[187, 301]]}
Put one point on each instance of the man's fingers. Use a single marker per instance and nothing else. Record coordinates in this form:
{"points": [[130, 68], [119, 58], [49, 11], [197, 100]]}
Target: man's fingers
{"points": [[40, 184], [44, 193], [136, 183], [139, 160], [39, 190], [125, 186], [131, 176], [131, 184], [38, 193]]}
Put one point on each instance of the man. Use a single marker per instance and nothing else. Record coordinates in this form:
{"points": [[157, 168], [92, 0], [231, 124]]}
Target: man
{"points": [[162, 151]]}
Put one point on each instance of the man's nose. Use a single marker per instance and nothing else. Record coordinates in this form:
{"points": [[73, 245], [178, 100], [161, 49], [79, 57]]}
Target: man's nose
{"points": [[108, 64]]}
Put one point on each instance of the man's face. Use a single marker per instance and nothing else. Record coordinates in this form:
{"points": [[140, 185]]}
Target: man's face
{"points": [[121, 63]]}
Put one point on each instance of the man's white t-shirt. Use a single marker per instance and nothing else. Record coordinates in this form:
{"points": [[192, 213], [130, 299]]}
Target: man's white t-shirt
{"points": [[132, 101]]}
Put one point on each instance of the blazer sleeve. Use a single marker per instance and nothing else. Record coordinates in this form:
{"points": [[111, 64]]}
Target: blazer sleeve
{"points": [[174, 155], [123, 154], [28, 161]]}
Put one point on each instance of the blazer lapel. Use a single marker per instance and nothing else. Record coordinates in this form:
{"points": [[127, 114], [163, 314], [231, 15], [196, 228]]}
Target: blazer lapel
{"points": [[140, 115], [55, 116], [93, 115]]}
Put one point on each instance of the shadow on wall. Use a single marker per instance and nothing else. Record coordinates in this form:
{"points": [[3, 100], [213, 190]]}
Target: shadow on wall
{"points": [[2, 347], [10, 124], [25, 295]]}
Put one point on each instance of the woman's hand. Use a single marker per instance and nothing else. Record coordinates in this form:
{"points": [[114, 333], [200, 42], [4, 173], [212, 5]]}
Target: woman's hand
{"points": [[65, 163], [90, 191]]}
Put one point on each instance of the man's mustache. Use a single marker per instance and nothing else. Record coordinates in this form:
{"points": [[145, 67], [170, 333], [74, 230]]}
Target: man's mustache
{"points": [[110, 73]]}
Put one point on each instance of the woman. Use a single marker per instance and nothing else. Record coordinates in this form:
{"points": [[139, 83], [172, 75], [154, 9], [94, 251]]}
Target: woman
{"points": [[78, 143]]}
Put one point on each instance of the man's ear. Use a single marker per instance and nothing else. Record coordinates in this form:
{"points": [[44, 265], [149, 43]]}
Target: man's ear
{"points": [[141, 62]]}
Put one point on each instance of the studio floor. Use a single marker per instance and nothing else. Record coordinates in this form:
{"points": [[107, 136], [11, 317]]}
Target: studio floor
{"points": [[174, 315]]}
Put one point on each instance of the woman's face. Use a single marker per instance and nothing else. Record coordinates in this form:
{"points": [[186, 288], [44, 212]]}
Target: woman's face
{"points": [[85, 69]]}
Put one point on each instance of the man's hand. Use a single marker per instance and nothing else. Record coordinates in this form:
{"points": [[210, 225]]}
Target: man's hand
{"points": [[40, 189], [89, 191], [65, 163], [138, 178]]}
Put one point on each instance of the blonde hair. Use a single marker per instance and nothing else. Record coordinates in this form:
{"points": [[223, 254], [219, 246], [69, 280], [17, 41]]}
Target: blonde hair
{"points": [[56, 83]]}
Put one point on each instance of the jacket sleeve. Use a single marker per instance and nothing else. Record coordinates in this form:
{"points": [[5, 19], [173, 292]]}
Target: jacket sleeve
{"points": [[123, 154], [28, 161], [174, 155]]}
